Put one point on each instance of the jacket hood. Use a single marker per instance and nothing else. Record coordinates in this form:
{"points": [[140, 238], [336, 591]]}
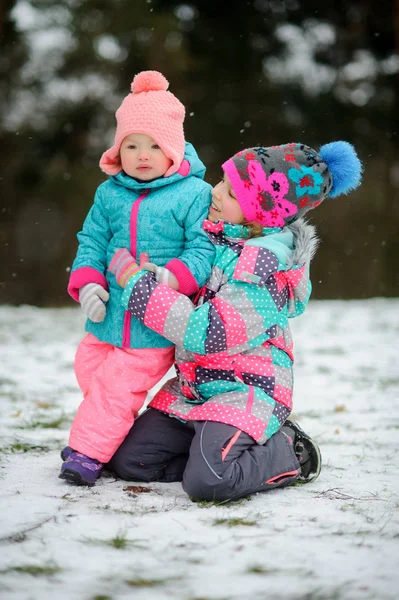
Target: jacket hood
{"points": [[191, 166], [294, 245], [305, 242]]}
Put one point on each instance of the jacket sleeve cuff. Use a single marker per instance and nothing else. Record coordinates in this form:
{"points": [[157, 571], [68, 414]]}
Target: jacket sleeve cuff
{"points": [[84, 275], [187, 283]]}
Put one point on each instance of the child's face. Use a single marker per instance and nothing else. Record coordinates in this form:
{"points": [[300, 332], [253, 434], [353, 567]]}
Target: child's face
{"points": [[142, 158], [225, 205]]}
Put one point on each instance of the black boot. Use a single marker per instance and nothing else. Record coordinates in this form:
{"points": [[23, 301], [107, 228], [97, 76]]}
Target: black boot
{"points": [[306, 451]]}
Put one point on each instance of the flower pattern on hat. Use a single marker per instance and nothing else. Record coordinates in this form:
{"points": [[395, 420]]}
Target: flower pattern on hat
{"points": [[307, 179], [276, 185], [268, 195]]}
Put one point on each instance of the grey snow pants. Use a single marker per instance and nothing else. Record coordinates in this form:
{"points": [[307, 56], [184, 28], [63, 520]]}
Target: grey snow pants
{"points": [[214, 461]]}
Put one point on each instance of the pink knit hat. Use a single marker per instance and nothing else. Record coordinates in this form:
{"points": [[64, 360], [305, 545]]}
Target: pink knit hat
{"points": [[151, 110]]}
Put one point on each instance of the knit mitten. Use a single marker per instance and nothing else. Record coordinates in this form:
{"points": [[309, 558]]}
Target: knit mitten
{"points": [[123, 266], [162, 275], [92, 298]]}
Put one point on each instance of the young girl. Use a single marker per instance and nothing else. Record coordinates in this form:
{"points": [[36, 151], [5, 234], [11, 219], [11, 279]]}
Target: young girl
{"points": [[155, 202], [229, 435]]}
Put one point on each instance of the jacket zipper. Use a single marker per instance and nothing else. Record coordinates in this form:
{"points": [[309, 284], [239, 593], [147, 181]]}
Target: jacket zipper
{"points": [[133, 251]]}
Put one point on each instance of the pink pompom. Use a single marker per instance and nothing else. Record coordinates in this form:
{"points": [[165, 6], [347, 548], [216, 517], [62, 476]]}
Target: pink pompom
{"points": [[149, 81]]}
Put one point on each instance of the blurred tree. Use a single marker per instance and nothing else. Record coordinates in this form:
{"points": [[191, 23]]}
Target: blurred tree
{"points": [[255, 72]]}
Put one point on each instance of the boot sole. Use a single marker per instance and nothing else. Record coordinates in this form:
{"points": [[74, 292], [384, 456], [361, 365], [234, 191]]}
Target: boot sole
{"points": [[314, 451], [316, 456], [74, 477]]}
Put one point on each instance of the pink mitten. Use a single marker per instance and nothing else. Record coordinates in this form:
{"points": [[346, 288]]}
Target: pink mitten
{"points": [[123, 266]]}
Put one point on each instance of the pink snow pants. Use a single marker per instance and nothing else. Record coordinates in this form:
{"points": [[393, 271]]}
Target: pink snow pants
{"points": [[114, 382]]}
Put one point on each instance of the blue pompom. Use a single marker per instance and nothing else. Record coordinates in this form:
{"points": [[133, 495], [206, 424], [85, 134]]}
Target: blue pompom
{"points": [[345, 166]]}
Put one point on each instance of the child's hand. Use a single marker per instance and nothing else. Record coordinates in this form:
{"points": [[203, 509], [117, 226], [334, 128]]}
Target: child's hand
{"points": [[162, 275], [123, 266], [92, 297]]}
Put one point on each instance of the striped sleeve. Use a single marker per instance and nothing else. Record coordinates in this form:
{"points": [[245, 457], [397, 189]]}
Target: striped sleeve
{"points": [[240, 316]]}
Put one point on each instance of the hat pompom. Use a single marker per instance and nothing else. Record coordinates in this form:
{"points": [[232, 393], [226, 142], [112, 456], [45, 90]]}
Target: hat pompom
{"points": [[149, 81], [345, 166]]}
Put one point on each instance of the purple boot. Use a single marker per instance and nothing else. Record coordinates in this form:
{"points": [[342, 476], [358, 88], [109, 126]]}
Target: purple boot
{"points": [[80, 469], [65, 452]]}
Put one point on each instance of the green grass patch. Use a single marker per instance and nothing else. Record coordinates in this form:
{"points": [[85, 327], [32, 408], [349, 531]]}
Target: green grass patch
{"points": [[44, 424], [207, 598], [35, 570], [209, 503], [142, 582], [260, 570], [69, 498], [4, 381], [235, 522], [104, 507], [333, 351], [26, 447], [119, 542], [122, 511], [388, 382]]}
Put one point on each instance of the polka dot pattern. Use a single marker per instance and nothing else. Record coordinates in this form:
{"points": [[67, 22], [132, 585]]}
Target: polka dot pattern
{"points": [[280, 298], [246, 264], [208, 375], [280, 357], [244, 308], [301, 291], [264, 419], [265, 383], [140, 293], [238, 339], [272, 427], [176, 321], [262, 410], [236, 330], [187, 370], [281, 412], [283, 395], [263, 351], [220, 386], [256, 260], [216, 280], [281, 280], [248, 423], [258, 364], [216, 334], [283, 377], [158, 307], [294, 276], [271, 332]]}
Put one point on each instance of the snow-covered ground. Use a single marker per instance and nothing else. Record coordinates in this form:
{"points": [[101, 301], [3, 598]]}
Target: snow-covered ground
{"points": [[336, 538]]}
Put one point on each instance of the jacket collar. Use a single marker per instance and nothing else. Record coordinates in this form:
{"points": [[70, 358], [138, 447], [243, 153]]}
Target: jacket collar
{"points": [[232, 232]]}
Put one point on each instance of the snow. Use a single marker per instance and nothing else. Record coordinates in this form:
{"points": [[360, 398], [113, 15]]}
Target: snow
{"points": [[336, 538]]}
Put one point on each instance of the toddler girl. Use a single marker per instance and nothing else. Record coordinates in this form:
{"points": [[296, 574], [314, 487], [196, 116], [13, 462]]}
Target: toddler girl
{"points": [[221, 425], [154, 202]]}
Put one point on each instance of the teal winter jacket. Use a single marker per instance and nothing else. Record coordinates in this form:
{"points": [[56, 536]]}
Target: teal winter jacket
{"points": [[162, 217]]}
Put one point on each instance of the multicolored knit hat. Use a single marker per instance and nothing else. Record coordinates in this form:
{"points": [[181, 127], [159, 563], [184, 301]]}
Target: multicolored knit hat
{"points": [[277, 185], [151, 110]]}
